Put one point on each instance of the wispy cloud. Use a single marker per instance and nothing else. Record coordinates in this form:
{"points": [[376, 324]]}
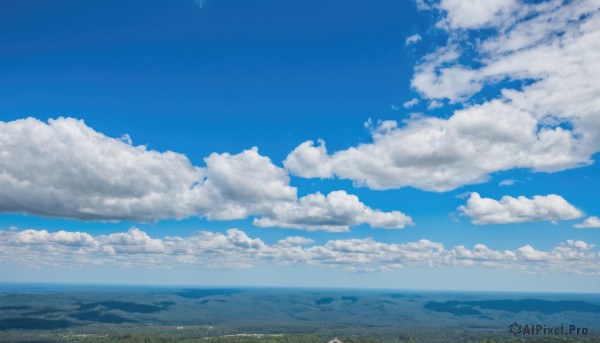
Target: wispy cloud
{"points": [[412, 39], [200, 3], [507, 182], [410, 103], [434, 104]]}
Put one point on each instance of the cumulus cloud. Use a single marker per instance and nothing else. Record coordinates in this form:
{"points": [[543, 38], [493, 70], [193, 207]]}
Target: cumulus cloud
{"points": [[507, 210], [308, 160], [335, 212], [249, 184], [133, 241], [442, 154], [64, 168], [547, 119], [235, 249], [243, 184], [588, 223]]}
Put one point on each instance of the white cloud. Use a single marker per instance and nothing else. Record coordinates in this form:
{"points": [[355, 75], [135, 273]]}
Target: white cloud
{"points": [[517, 210], [59, 237], [555, 46], [550, 123], [382, 126], [590, 222], [436, 78], [133, 241], [424, 5], [235, 249], [474, 14], [244, 184], [442, 154], [66, 169], [434, 104], [335, 212], [308, 160], [442, 83], [410, 103], [294, 241], [413, 39], [507, 182]]}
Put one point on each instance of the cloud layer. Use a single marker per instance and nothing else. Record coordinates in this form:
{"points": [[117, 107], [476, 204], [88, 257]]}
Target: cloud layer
{"points": [[518, 210], [64, 168], [546, 117], [234, 249]]}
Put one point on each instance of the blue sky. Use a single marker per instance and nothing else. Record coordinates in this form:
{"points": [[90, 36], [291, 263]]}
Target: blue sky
{"points": [[143, 117]]}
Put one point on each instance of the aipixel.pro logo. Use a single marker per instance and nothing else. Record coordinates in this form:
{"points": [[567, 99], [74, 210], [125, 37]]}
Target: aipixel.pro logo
{"points": [[544, 330]]}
